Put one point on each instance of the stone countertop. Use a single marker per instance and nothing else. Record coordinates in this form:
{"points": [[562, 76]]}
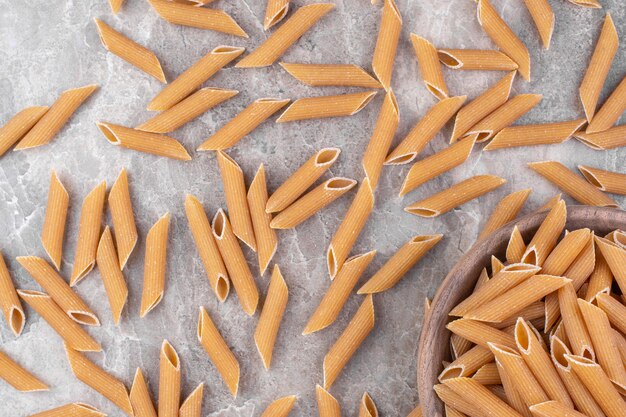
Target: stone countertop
{"points": [[49, 46]]}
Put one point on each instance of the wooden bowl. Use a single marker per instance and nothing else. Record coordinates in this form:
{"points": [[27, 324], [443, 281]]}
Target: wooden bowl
{"points": [[435, 338]]}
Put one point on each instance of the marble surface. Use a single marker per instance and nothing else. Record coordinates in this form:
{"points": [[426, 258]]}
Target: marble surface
{"points": [[49, 46]]}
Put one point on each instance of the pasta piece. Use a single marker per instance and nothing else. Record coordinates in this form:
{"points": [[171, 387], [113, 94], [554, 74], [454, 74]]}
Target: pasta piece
{"points": [[533, 313], [271, 316], [114, 282], [574, 324], [286, 35], [72, 410], [197, 17], [169, 381], [615, 311], [380, 141], [275, 12], [19, 125], [506, 211], [610, 182], [236, 199], [452, 399], [387, 43], [468, 363], [429, 65], [566, 252], [594, 4], [529, 135], [9, 301], [611, 110], [367, 407], [455, 196], [141, 141], [399, 264], [301, 179], [18, 377], [130, 51], [312, 202], [99, 380], [504, 115], [572, 184], [349, 341], [320, 75], [596, 381], [600, 281], [326, 106], [327, 405], [124, 227], [545, 238], [599, 67], [186, 110], [425, 130], [55, 118], [265, 236], [543, 16], [516, 247], [480, 333], [496, 265], [502, 35], [337, 294], [476, 59], [436, 164], [512, 395], [218, 351], [488, 375], [192, 406], [480, 397], [350, 228], [553, 409], [194, 76], [242, 124], [280, 407], [116, 5], [236, 263], [61, 293], [140, 397], [614, 137], [155, 265], [616, 258]]}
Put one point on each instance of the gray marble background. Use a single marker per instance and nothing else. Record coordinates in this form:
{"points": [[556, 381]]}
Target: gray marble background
{"points": [[49, 46]]}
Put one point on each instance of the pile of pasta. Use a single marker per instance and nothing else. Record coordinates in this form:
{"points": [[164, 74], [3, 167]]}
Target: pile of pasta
{"points": [[544, 334]]}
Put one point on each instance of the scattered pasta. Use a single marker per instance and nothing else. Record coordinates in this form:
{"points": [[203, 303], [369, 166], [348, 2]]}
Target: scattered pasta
{"points": [[265, 236], [319, 75], [140, 396], [507, 210], [114, 282], [53, 230], [169, 381], [141, 141], [275, 12], [607, 181], [326, 106], [543, 17], [73, 409], [192, 406], [387, 43], [528, 135], [19, 125], [476, 59], [123, 217], [430, 67], [18, 377], [9, 301], [155, 264], [280, 407]]}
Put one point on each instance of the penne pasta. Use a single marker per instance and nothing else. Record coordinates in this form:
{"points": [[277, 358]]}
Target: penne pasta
{"points": [[543, 17], [593, 4], [616, 258], [481, 334], [429, 65], [452, 399], [19, 125], [455, 196], [574, 324], [349, 341], [116, 5], [71, 410], [600, 281], [57, 287], [194, 76], [327, 405], [326, 106], [436, 164], [425, 130], [502, 35], [480, 398], [9, 301], [130, 51], [312, 202], [280, 407], [599, 67], [607, 181], [187, 110], [399, 264], [614, 137], [197, 17], [545, 238], [488, 375], [301, 179], [169, 381], [236, 263], [55, 118], [516, 246], [140, 397], [467, 363], [387, 43], [367, 408], [615, 311], [275, 11], [236, 199], [123, 217], [242, 124], [529, 135], [141, 141], [265, 236], [380, 141], [18, 377], [337, 294], [505, 211], [553, 409], [271, 316], [303, 19], [155, 265], [99, 380], [218, 351], [192, 406], [112, 277], [476, 59], [611, 110], [572, 184], [350, 228], [563, 256], [504, 116], [321, 75]]}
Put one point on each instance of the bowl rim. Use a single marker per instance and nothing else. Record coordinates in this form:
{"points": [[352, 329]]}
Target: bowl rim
{"points": [[448, 294]]}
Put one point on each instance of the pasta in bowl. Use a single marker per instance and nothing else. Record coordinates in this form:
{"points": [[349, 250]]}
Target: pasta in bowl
{"points": [[473, 324]]}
